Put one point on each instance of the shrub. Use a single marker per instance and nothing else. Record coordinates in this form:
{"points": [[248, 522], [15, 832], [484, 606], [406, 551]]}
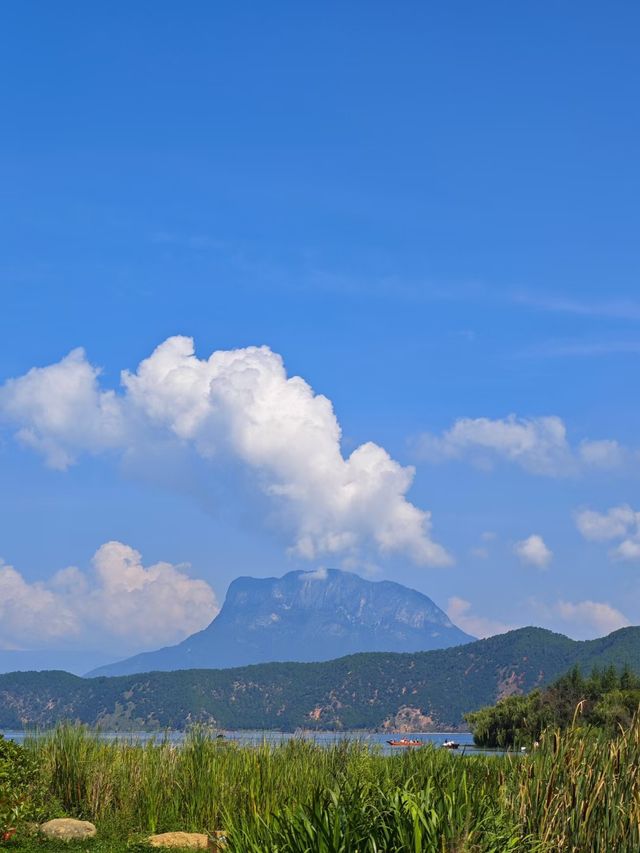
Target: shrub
{"points": [[21, 786]]}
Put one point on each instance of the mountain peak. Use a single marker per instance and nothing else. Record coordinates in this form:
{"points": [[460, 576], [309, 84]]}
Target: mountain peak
{"points": [[306, 616]]}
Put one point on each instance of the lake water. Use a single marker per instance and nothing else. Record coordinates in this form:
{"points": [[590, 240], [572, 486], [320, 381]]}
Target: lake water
{"points": [[254, 738]]}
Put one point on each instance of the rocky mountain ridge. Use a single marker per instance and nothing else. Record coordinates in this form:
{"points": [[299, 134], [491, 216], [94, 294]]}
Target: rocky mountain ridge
{"points": [[304, 617]]}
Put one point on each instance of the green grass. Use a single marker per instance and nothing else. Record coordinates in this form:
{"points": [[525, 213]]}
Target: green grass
{"points": [[578, 793], [39, 845], [94, 845]]}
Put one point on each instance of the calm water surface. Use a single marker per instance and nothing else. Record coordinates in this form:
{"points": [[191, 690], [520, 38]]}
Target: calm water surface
{"points": [[254, 738]]}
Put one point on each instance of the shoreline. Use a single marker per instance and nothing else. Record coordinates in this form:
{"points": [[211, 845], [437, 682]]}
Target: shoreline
{"points": [[26, 732]]}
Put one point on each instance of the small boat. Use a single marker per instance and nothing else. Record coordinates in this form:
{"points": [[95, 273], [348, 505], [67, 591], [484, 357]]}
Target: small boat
{"points": [[450, 744], [405, 741]]}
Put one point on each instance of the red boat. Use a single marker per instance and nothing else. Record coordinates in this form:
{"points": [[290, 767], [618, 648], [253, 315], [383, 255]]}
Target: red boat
{"points": [[405, 741]]}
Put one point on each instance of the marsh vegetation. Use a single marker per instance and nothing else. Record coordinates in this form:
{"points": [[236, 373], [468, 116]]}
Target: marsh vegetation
{"points": [[579, 791]]}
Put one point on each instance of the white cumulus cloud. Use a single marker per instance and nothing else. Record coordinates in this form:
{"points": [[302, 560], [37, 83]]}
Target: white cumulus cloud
{"points": [[534, 551], [620, 522], [319, 574], [613, 524], [31, 614], [60, 410], [586, 619], [582, 620], [603, 453], [538, 445], [120, 602], [238, 404], [629, 549]]}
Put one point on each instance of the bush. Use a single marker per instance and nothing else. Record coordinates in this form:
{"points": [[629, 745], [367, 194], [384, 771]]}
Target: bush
{"points": [[21, 786]]}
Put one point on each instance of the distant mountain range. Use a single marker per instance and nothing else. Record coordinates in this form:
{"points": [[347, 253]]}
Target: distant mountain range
{"points": [[77, 661], [421, 691], [305, 616]]}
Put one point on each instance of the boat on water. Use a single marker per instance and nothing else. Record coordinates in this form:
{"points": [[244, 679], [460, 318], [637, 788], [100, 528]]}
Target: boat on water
{"points": [[405, 741], [450, 744]]}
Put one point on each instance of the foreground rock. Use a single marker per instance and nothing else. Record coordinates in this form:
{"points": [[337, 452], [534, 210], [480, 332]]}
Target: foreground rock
{"points": [[68, 829], [188, 840]]}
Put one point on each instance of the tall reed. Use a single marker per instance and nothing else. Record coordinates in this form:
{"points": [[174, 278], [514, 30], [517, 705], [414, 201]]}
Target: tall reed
{"points": [[578, 793]]}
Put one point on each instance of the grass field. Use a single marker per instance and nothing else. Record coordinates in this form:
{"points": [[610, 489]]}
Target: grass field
{"points": [[579, 792]]}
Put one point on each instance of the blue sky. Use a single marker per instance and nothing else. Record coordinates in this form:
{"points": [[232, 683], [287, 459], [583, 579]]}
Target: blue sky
{"points": [[429, 212]]}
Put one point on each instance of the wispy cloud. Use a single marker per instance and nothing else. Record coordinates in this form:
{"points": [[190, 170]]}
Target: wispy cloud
{"points": [[198, 242], [461, 614], [580, 349], [619, 309]]}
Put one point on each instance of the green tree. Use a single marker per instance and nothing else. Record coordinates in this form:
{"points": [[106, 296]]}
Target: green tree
{"points": [[607, 700]]}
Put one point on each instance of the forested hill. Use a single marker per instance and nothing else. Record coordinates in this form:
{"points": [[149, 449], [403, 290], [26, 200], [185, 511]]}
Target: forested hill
{"points": [[608, 700], [412, 691]]}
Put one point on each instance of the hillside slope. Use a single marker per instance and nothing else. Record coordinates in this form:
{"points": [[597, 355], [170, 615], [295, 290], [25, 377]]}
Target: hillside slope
{"points": [[412, 691]]}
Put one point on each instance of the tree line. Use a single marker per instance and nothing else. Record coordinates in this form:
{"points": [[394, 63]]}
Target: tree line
{"points": [[607, 699]]}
